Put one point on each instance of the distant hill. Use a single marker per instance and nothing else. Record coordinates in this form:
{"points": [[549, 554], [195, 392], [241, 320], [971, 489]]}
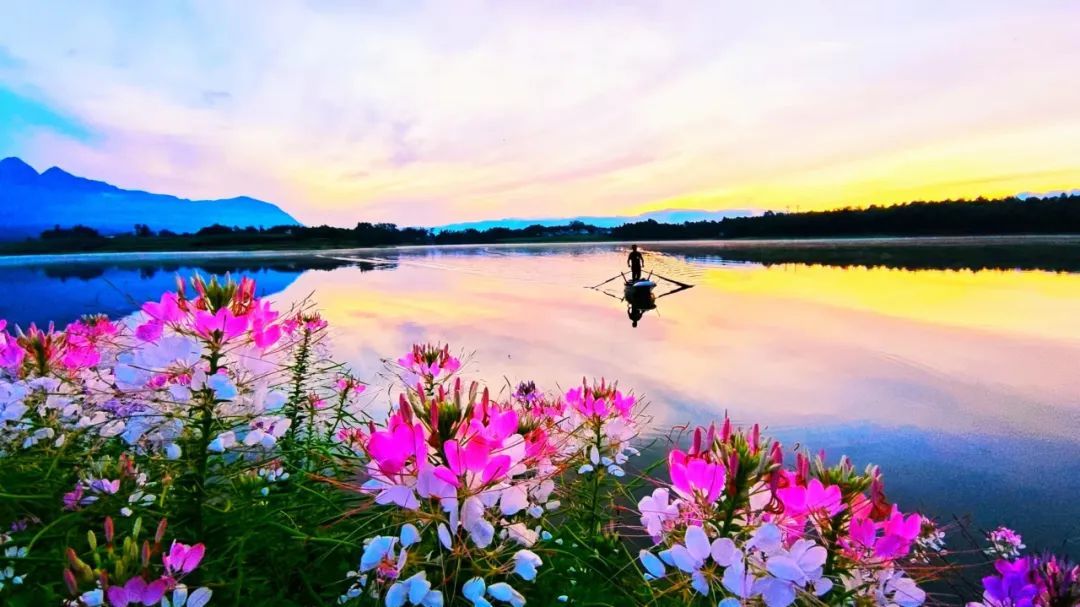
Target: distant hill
{"points": [[31, 203], [665, 216]]}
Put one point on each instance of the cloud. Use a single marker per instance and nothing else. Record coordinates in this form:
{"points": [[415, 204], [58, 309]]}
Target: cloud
{"points": [[453, 111]]}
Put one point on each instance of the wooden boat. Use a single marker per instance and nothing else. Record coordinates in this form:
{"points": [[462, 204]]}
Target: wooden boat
{"points": [[640, 293]]}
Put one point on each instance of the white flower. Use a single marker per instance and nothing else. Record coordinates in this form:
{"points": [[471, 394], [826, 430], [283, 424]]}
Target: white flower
{"points": [[594, 461], [377, 550], [444, 536], [225, 440], [514, 499], [93, 598], [525, 564], [800, 564], [656, 510], [521, 534], [472, 519], [505, 592], [896, 589], [409, 535], [689, 557], [473, 591], [792, 570], [737, 580], [766, 538], [724, 551], [416, 590], [654, 567], [172, 451]]}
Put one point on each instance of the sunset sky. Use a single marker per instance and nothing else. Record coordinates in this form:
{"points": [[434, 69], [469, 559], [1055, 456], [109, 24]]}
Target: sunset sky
{"points": [[424, 113]]}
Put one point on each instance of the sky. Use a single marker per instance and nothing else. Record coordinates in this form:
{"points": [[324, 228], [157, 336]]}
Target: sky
{"points": [[426, 113]]}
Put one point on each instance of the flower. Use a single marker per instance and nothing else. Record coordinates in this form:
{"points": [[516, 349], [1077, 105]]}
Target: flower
{"points": [[813, 499], [182, 559], [694, 478], [654, 567], [657, 512], [1005, 543], [897, 589], [416, 590], [1014, 586], [793, 570], [473, 591], [136, 592], [525, 564], [409, 535], [505, 592], [379, 555]]}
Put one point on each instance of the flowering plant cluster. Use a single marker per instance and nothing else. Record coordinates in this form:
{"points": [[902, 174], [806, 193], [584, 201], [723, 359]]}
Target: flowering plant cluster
{"points": [[227, 417], [738, 526], [477, 481], [1041, 580], [195, 409]]}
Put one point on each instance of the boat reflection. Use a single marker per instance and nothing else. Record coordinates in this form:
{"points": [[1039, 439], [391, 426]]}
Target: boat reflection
{"points": [[640, 295]]}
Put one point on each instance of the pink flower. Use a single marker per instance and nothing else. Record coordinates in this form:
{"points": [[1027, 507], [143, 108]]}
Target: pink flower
{"points": [[73, 498], [81, 357], [137, 592], [695, 478], [390, 449], [263, 332], [182, 559], [166, 311], [221, 326], [814, 499], [429, 361], [150, 331], [476, 458], [899, 532], [500, 424], [11, 354]]}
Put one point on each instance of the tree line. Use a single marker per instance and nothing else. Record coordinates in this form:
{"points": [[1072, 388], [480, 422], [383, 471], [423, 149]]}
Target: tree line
{"points": [[1049, 215]]}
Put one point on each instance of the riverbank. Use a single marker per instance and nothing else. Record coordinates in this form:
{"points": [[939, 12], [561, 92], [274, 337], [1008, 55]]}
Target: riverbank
{"points": [[1059, 253]]}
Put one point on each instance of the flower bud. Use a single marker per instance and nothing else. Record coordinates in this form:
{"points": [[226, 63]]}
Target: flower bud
{"points": [[159, 535], [91, 539], [110, 530], [69, 581], [72, 558]]}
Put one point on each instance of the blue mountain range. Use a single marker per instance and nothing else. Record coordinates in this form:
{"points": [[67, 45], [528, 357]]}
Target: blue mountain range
{"points": [[665, 216], [31, 202]]}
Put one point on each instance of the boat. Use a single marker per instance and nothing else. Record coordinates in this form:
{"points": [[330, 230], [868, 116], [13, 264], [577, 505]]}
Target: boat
{"points": [[640, 292]]}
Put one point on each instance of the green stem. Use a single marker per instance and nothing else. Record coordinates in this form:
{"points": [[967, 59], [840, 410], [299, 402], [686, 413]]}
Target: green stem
{"points": [[300, 369], [593, 522], [202, 451]]}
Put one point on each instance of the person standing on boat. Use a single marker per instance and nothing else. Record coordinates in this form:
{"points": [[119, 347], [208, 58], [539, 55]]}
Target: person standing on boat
{"points": [[636, 261]]}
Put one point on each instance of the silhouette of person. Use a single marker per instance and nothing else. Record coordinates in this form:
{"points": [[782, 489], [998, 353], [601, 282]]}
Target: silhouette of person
{"points": [[635, 313], [636, 261]]}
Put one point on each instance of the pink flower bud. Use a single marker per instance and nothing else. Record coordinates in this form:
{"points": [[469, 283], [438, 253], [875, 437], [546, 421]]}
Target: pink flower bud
{"points": [[159, 535], [69, 581]]}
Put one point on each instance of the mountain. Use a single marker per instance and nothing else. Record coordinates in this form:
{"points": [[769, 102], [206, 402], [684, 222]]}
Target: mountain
{"points": [[665, 216], [31, 203], [1051, 194]]}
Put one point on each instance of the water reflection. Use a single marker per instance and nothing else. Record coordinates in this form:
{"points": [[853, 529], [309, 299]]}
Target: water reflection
{"points": [[963, 385], [640, 297], [62, 290]]}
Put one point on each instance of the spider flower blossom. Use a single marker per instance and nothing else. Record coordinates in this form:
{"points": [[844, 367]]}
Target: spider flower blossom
{"points": [[752, 530]]}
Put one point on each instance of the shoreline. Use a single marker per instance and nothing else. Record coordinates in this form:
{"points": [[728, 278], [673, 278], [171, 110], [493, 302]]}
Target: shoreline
{"points": [[869, 242]]}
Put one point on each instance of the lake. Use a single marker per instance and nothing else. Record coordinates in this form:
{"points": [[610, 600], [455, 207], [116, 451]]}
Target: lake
{"points": [[963, 385]]}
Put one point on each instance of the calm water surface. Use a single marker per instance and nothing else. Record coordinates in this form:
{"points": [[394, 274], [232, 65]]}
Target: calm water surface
{"points": [[963, 385]]}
